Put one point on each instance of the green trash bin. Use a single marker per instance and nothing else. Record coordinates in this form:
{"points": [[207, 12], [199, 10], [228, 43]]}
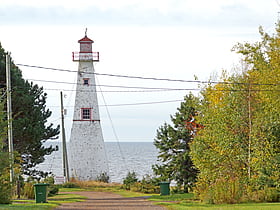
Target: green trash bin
{"points": [[164, 188], [41, 192]]}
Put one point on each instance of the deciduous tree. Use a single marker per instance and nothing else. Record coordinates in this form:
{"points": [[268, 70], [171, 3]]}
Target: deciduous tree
{"points": [[238, 151]]}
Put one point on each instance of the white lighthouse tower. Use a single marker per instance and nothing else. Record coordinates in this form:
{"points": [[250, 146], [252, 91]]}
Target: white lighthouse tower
{"points": [[87, 151]]}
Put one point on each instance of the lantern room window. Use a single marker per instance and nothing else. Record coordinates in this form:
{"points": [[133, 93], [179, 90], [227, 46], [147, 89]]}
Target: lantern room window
{"points": [[86, 113]]}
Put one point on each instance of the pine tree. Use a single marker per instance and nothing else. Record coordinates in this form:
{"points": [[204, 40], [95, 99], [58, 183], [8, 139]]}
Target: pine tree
{"points": [[172, 141], [30, 114]]}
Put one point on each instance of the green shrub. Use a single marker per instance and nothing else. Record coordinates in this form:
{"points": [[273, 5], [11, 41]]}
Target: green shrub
{"points": [[267, 194], [70, 185], [5, 189], [235, 190], [5, 185], [49, 180], [129, 180], [146, 185], [221, 191], [103, 177], [53, 190], [150, 184], [28, 190]]}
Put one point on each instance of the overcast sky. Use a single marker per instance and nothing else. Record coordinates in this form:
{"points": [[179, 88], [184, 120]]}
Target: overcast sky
{"points": [[174, 39]]}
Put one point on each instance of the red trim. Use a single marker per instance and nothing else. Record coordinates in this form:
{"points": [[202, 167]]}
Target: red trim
{"points": [[88, 120], [85, 39], [86, 56]]}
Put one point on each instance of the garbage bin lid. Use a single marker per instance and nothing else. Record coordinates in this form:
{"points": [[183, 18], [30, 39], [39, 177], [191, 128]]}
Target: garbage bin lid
{"points": [[164, 182], [41, 184]]}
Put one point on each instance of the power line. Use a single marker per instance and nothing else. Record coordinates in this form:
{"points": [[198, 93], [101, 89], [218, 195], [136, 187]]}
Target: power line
{"points": [[156, 90], [145, 78], [112, 86], [145, 103], [133, 104], [113, 127]]}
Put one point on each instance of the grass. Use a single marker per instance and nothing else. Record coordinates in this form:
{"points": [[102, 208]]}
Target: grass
{"points": [[53, 202], [172, 197], [199, 206], [186, 202], [130, 194], [28, 206], [116, 190], [172, 202]]}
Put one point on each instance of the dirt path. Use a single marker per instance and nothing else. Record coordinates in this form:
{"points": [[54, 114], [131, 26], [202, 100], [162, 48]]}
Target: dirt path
{"points": [[109, 201]]}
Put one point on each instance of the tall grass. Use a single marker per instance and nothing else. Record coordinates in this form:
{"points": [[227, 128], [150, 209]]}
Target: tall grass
{"points": [[89, 184]]}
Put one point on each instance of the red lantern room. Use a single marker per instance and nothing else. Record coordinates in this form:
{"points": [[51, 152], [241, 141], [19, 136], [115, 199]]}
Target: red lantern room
{"points": [[85, 53]]}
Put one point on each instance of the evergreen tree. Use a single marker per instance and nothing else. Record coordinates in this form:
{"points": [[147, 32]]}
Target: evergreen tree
{"points": [[172, 141], [30, 127]]}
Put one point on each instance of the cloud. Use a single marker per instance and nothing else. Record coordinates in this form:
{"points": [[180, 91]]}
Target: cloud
{"points": [[128, 14]]}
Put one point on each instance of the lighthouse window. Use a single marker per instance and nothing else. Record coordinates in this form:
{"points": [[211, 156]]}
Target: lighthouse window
{"points": [[86, 81], [86, 113]]}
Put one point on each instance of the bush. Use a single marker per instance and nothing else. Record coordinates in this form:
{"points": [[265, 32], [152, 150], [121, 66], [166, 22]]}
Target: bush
{"points": [[150, 184], [5, 191], [28, 190], [49, 180], [146, 185], [52, 188], [221, 191], [267, 194], [103, 177], [130, 179], [235, 190], [5, 185], [70, 185]]}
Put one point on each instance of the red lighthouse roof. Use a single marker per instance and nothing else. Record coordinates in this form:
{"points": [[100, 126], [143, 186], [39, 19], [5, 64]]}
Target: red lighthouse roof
{"points": [[85, 40]]}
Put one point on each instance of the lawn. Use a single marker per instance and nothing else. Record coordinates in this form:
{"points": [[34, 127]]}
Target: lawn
{"points": [[52, 202], [196, 206], [172, 202], [185, 202]]}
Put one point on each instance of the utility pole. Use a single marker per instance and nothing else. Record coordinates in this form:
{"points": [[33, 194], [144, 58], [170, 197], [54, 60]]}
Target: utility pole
{"points": [[250, 131], [9, 113], [64, 148]]}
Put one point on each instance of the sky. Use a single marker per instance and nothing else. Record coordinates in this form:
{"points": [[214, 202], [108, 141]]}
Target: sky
{"points": [[172, 39]]}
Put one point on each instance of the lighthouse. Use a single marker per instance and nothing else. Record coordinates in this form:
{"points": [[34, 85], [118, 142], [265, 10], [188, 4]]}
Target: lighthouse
{"points": [[87, 156]]}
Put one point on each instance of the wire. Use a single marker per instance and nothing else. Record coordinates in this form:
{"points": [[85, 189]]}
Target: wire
{"points": [[156, 90], [132, 104], [145, 78], [113, 86], [113, 128], [71, 93], [144, 103], [125, 91]]}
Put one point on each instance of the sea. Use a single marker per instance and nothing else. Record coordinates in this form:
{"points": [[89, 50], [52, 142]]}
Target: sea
{"points": [[123, 157]]}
